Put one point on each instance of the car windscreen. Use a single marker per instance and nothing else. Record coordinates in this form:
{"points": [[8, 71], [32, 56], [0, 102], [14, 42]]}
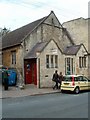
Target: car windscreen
{"points": [[67, 78]]}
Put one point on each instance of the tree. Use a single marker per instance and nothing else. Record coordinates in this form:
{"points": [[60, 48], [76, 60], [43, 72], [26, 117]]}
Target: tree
{"points": [[4, 31]]}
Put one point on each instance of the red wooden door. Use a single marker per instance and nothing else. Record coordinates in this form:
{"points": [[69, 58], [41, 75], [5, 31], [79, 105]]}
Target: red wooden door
{"points": [[34, 72], [27, 72], [30, 71]]}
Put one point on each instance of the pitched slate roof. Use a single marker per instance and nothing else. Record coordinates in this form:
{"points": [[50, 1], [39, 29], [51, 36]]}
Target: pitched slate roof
{"points": [[37, 48], [72, 50], [15, 37]]}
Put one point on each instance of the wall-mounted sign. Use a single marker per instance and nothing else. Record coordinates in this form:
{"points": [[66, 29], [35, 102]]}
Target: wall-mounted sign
{"points": [[54, 51]]}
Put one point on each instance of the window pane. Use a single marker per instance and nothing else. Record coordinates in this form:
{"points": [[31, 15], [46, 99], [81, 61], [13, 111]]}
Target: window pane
{"points": [[85, 79], [65, 65], [14, 57], [80, 78], [80, 62], [72, 64], [76, 78], [67, 78], [52, 65], [47, 61], [68, 64], [56, 61], [84, 61]]}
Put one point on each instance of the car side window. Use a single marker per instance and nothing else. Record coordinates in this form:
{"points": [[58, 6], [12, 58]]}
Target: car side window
{"points": [[80, 78], [88, 80], [85, 79], [76, 79]]}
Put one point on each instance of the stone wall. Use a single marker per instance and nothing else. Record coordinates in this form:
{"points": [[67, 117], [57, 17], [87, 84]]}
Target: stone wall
{"points": [[47, 73], [79, 31], [46, 32], [81, 71], [7, 57], [56, 33], [32, 39]]}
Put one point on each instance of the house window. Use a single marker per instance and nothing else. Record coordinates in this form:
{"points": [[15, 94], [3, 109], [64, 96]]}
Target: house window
{"points": [[82, 62], [68, 65], [85, 62], [52, 64], [47, 61], [52, 21], [52, 61], [13, 57], [56, 61], [72, 65]]}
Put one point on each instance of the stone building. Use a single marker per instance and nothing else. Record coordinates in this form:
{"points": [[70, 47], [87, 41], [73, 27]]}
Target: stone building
{"points": [[79, 31], [38, 49]]}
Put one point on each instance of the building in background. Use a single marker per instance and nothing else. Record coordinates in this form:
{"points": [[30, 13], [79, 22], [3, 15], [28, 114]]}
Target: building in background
{"points": [[79, 31]]}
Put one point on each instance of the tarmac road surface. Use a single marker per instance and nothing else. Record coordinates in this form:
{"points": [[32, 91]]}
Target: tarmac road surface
{"points": [[55, 105]]}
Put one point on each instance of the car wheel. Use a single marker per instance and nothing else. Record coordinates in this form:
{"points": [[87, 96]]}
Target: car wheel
{"points": [[62, 91], [77, 90]]}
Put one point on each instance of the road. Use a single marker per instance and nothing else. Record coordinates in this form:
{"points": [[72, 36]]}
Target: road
{"points": [[56, 105]]}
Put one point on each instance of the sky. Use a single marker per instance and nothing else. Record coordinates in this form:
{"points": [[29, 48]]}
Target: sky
{"points": [[17, 13]]}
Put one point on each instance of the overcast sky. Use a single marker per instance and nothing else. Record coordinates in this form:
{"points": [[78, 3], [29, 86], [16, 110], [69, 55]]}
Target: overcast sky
{"points": [[17, 13]]}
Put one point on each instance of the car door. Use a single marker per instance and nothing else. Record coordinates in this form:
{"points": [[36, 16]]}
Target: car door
{"points": [[86, 85], [82, 83], [87, 82]]}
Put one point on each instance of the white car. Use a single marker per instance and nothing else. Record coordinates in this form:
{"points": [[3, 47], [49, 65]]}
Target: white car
{"points": [[75, 83]]}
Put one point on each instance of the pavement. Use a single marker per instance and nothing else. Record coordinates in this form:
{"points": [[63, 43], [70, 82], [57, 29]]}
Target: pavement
{"points": [[29, 90]]}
